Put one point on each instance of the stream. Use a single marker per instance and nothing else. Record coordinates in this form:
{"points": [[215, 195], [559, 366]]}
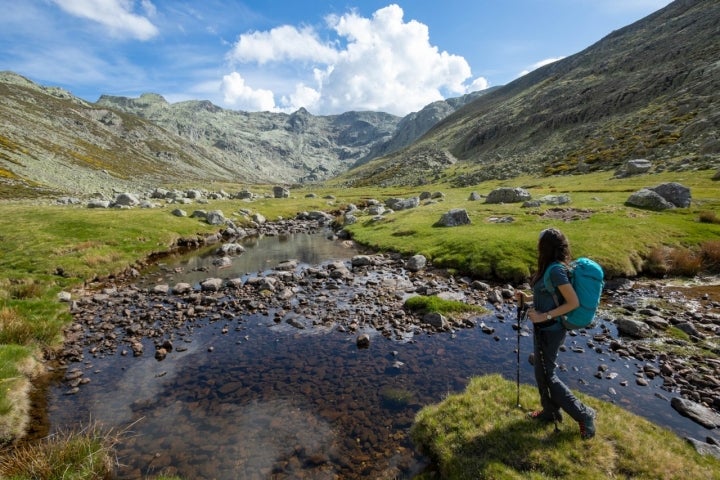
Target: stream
{"points": [[250, 397]]}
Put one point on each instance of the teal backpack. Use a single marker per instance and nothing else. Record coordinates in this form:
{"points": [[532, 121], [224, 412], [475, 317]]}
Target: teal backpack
{"points": [[587, 278]]}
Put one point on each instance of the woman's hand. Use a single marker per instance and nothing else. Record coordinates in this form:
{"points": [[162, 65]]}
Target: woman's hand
{"points": [[535, 316]]}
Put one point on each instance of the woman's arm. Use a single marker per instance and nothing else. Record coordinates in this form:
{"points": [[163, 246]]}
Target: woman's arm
{"points": [[571, 303]]}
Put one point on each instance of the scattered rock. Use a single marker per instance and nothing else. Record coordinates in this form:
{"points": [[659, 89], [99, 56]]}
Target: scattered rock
{"points": [[697, 412], [508, 195], [454, 218], [402, 203], [661, 197], [633, 328], [416, 263]]}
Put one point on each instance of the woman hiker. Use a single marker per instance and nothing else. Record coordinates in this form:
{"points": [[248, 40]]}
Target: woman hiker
{"points": [[549, 333]]}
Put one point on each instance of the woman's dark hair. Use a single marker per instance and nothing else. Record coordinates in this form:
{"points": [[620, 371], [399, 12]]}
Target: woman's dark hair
{"points": [[552, 247]]}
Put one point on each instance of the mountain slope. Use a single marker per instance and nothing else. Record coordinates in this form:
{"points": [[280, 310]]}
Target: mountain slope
{"points": [[278, 147], [650, 90], [416, 124], [52, 141]]}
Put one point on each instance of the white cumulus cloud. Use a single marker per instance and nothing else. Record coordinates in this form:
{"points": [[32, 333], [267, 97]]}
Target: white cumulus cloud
{"points": [[381, 63], [116, 15], [281, 44], [242, 96]]}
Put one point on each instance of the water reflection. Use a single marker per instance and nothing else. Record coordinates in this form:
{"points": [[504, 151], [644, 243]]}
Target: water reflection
{"points": [[261, 253]]}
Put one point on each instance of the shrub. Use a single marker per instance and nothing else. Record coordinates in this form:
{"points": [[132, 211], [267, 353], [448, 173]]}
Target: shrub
{"points": [[657, 261], [711, 255], [685, 262], [681, 261], [708, 217]]}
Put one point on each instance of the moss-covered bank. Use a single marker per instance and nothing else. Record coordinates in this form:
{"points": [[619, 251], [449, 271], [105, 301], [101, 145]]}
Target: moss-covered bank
{"points": [[481, 433]]}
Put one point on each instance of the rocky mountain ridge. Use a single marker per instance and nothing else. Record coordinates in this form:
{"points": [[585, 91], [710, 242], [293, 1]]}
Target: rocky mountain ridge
{"points": [[650, 90]]}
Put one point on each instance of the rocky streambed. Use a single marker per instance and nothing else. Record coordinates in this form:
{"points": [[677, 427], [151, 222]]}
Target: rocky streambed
{"points": [[320, 369]]}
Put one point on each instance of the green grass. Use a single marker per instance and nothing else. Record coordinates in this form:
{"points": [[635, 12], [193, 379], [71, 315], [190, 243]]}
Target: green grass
{"points": [[18, 364], [69, 456], [617, 236], [481, 433], [48, 249], [432, 304]]}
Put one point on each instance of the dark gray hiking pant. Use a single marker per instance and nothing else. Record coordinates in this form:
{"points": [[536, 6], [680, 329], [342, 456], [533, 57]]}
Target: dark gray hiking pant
{"points": [[554, 394]]}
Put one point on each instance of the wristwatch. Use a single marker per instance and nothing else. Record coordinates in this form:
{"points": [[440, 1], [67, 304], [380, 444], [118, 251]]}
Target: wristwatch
{"points": [[548, 316]]}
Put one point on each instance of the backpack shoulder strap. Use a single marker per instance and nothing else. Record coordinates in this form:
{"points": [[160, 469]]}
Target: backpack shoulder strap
{"points": [[546, 277]]}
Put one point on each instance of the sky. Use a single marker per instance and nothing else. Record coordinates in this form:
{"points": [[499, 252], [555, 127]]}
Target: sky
{"points": [[329, 56]]}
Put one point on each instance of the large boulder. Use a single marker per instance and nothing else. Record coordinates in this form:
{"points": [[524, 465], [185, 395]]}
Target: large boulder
{"points": [[159, 193], [215, 217], [454, 218], [508, 195], [661, 197], [633, 328], [376, 210], [675, 193], [649, 200], [696, 412], [555, 199], [416, 263], [402, 203], [281, 192], [98, 204], [244, 195], [125, 200]]}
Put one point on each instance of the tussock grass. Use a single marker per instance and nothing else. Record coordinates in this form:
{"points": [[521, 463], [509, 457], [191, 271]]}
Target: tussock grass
{"points": [[69, 455], [709, 217], [480, 433], [14, 329], [710, 252], [18, 366]]}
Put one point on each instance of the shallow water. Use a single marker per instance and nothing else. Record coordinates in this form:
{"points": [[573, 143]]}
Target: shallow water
{"points": [[261, 253], [266, 400]]}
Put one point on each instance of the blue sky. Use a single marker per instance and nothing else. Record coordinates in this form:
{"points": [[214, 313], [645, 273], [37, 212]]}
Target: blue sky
{"points": [[327, 56]]}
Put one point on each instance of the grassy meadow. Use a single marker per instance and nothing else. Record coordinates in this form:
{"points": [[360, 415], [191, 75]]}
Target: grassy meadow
{"points": [[50, 248], [620, 238], [481, 433]]}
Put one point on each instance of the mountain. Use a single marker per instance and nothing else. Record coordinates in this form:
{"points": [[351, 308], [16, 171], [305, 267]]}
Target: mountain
{"points": [[51, 141], [299, 147], [275, 147], [415, 124], [650, 90]]}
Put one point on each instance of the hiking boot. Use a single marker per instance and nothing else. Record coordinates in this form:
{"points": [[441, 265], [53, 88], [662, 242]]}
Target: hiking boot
{"points": [[587, 425], [544, 416]]}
